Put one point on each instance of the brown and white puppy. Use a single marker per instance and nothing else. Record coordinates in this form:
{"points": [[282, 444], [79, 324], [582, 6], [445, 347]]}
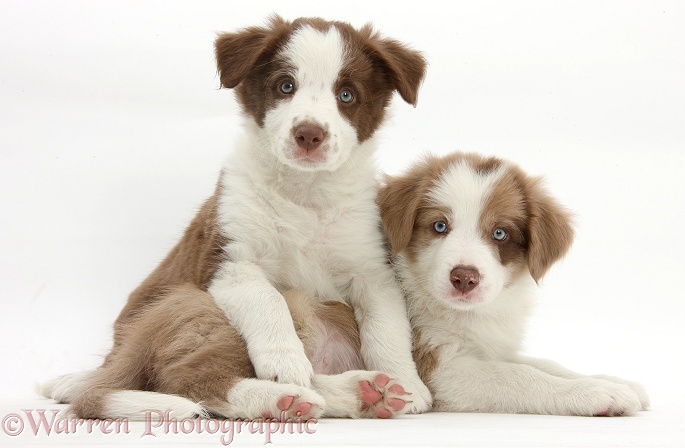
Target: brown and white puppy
{"points": [[294, 209], [471, 236]]}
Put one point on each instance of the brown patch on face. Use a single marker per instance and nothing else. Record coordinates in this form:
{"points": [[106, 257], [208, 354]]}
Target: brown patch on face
{"points": [[539, 229], [505, 208], [374, 69], [407, 212], [247, 61], [425, 357], [401, 197], [424, 234]]}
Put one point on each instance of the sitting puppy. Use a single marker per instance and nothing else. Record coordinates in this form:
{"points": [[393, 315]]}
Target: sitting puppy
{"points": [[471, 237], [294, 208]]}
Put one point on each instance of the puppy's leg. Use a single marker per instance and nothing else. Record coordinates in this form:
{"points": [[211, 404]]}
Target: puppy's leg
{"points": [[472, 385], [556, 369], [385, 331], [361, 394], [206, 360], [251, 398], [330, 336], [260, 314]]}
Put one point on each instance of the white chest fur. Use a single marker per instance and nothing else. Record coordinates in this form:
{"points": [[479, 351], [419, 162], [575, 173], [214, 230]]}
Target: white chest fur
{"points": [[305, 230]]}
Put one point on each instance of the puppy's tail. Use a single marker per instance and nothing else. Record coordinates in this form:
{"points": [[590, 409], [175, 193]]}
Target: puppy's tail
{"points": [[99, 394], [134, 405], [66, 388]]}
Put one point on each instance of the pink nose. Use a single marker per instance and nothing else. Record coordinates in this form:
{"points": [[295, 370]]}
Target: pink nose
{"points": [[464, 278], [309, 136]]}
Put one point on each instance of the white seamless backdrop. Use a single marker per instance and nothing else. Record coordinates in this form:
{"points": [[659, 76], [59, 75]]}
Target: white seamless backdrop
{"points": [[113, 130]]}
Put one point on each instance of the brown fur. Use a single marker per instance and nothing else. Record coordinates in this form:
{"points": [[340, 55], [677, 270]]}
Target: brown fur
{"points": [[194, 260], [193, 351], [166, 347], [539, 228], [310, 313], [171, 337], [425, 357], [375, 68]]}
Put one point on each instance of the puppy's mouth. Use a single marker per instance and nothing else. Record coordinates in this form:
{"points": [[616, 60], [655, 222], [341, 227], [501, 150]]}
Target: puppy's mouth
{"points": [[310, 158], [309, 147], [471, 298]]}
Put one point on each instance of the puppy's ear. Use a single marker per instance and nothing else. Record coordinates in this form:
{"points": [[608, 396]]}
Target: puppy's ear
{"points": [[399, 201], [550, 228], [406, 67], [237, 53]]}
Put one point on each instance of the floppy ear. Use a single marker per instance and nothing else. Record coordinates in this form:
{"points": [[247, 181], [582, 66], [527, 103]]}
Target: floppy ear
{"points": [[399, 200], [406, 67], [237, 53], [551, 232]]}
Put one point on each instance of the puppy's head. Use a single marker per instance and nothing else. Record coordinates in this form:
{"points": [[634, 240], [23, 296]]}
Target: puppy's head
{"points": [[317, 88], [468, 226]]}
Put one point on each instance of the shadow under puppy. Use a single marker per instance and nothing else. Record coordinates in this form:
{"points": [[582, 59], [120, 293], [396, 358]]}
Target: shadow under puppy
{"points": [[471, 236]]}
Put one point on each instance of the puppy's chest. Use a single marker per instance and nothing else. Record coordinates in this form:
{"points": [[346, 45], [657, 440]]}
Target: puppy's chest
{"points": [[307, 233], [457, 336], [299, 247]]}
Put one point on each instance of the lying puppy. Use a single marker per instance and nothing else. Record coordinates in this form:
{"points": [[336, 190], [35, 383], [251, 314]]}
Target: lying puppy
{"points": [[294, 209], [471, 236]]}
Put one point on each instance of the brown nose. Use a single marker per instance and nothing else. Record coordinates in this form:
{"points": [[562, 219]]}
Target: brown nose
{"points": [[464, 278], [309, 136]]}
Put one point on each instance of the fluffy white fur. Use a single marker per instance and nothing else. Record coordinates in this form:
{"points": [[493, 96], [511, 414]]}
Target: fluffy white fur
{"points": [[476, 337], [153, 406], [309, 226]]}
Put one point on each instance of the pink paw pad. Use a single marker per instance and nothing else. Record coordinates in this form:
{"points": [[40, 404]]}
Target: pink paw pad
{"points": [[382, 412], [380, 398], [302, 408], [370, 396], [397, 389], [396, 403], [382, 380], [285, 402]]}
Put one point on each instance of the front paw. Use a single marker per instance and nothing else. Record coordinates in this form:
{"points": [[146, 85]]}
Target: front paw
{"points": [[286, 367], [421, 398], [636, 387], [600, 398]]}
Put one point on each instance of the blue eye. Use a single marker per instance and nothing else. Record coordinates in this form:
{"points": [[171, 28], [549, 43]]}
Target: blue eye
{"points": [[500, 234], [346, 96], [440, 226], [287, 87]]}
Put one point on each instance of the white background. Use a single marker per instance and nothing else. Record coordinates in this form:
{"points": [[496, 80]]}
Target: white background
{"points": [[113, 130]]}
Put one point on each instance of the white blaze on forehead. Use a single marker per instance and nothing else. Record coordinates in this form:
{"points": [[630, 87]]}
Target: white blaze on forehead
{"points": [[464, 191], [316, 56]]}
